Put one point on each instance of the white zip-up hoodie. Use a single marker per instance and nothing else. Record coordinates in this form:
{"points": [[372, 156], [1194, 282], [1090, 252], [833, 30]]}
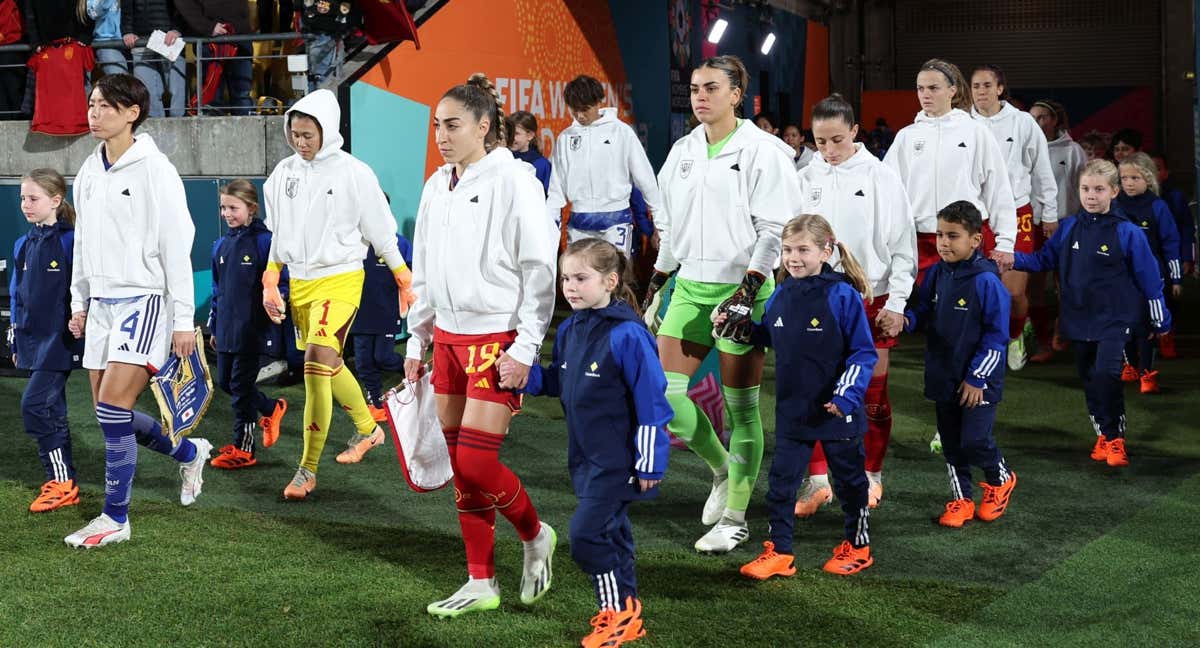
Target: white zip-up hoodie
{"points": [[1024, 148], [865, 202], [949, 158], [484, 256], [1067, 160], [595, 167], [323, 213], [722, 217], [133, 231]]}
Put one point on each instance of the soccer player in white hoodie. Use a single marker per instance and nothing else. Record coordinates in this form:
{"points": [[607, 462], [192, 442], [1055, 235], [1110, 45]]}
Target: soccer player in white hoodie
{"points": [[945, 156], [1028, 160], [131, 294], [728, 188], [323, 207], [484, 254], [865, 202], [595, 164]]}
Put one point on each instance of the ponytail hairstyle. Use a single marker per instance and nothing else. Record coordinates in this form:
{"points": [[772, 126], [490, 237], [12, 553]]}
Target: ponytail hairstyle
{"points": [[53, 184], [481, 98], [605, 258], [954, 76], [735, 70], [822, 234], [1001, 79], [244, 191], [1102, 168], [1143, 164], [526, 120], [834, 106]]}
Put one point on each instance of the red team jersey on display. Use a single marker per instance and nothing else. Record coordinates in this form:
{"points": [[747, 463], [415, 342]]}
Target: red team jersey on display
{"points": [[60, 106]]}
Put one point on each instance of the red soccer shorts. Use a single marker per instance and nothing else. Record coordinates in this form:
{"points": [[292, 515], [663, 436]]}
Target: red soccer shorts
{"points": [[465, 365]]}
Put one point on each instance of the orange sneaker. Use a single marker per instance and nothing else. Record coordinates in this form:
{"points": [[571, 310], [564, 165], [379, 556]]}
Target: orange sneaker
{"points": [[1166, 346], [1116, 453], [377, 413], [358, 446], [303, 483], [1149, 382], [957, 513], [1129, 374], [769, 563], [232, 458], [995, 499], [1100, 450], [270, 424], [55, 494], [611, 628], [848, 560]]}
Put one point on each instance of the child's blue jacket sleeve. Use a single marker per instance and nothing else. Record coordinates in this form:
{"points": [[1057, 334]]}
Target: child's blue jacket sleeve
{"points": [[216, 286], [1144, 268], [543, 381], [1168, 235], [17, 304], [851, 387], [634, 350], [993, 343], [915, 316], [1045, 259]]}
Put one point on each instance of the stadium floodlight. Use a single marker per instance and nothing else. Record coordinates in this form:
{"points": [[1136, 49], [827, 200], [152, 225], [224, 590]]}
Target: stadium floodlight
{"points": [[717, 31], [768, 43]]}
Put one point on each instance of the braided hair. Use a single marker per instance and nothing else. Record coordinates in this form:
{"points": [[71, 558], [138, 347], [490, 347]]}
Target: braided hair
{"points": [[480, 97]]}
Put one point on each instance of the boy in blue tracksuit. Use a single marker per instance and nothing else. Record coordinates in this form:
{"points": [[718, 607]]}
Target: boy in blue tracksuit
{"points": [[1107, 276], [376, 326], [824, 356], [606, 371], [241, 330], [965, 307], [40, 290], [1140, 203]]}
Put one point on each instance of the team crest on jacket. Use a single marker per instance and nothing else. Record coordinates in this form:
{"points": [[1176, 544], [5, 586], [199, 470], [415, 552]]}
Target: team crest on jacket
{"points": [[815, 195], [576, 141], [685, 168], [292, 187], [918, 145]]}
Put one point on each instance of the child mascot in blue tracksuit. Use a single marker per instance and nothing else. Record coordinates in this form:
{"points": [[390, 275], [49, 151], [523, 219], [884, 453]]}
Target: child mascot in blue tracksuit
{"points": [[1107, 276], [41, 294], [606, 371], [1141, 205], [824, 356], [376, 326], [241, 330], [964, 308]]}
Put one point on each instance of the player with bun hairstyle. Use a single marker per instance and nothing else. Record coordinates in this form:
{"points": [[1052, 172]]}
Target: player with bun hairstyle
{"points": [[484, 257]]}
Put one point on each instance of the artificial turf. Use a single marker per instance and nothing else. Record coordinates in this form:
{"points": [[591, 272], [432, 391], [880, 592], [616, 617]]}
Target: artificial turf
{"points": [[1086, 555]]}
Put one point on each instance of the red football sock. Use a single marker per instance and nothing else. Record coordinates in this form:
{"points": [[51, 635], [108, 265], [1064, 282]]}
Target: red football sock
{"points": [[476, 517], [817, 464], [479, 460], [879, 423]]}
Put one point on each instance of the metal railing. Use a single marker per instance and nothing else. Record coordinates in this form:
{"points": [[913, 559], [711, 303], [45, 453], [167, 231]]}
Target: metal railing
{"points": [[198, 46]]}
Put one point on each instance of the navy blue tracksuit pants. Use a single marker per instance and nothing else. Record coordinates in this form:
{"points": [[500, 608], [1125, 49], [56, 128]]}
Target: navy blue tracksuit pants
{"points": [[374, 354], [846, 459], [1099, 365], [602, 545], [236, 376], [44, 408], [967, 440]]}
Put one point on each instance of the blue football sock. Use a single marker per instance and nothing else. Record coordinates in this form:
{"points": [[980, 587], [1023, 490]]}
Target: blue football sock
{"points": [[150, 434], [120, 459]]}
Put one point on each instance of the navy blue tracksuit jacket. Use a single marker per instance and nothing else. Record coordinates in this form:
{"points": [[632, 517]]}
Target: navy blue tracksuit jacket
{"points": [[237, 317], [379, 307], [606, 371], [964, 307], [1153, 216], [1108, 276], [824, 353], [40, 287]]}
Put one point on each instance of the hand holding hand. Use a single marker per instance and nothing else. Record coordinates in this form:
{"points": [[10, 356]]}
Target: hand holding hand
{"points": [[513, 374], [78, 324]]}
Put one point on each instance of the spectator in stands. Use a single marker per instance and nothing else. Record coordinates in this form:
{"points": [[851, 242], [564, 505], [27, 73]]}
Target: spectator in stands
{"points": [[324, 25], [140, 18], [1124, 143], [1093, 146], [12, 74], [48, 21], [766, 123], [794, 137], [207, 18], [107, 14]]}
